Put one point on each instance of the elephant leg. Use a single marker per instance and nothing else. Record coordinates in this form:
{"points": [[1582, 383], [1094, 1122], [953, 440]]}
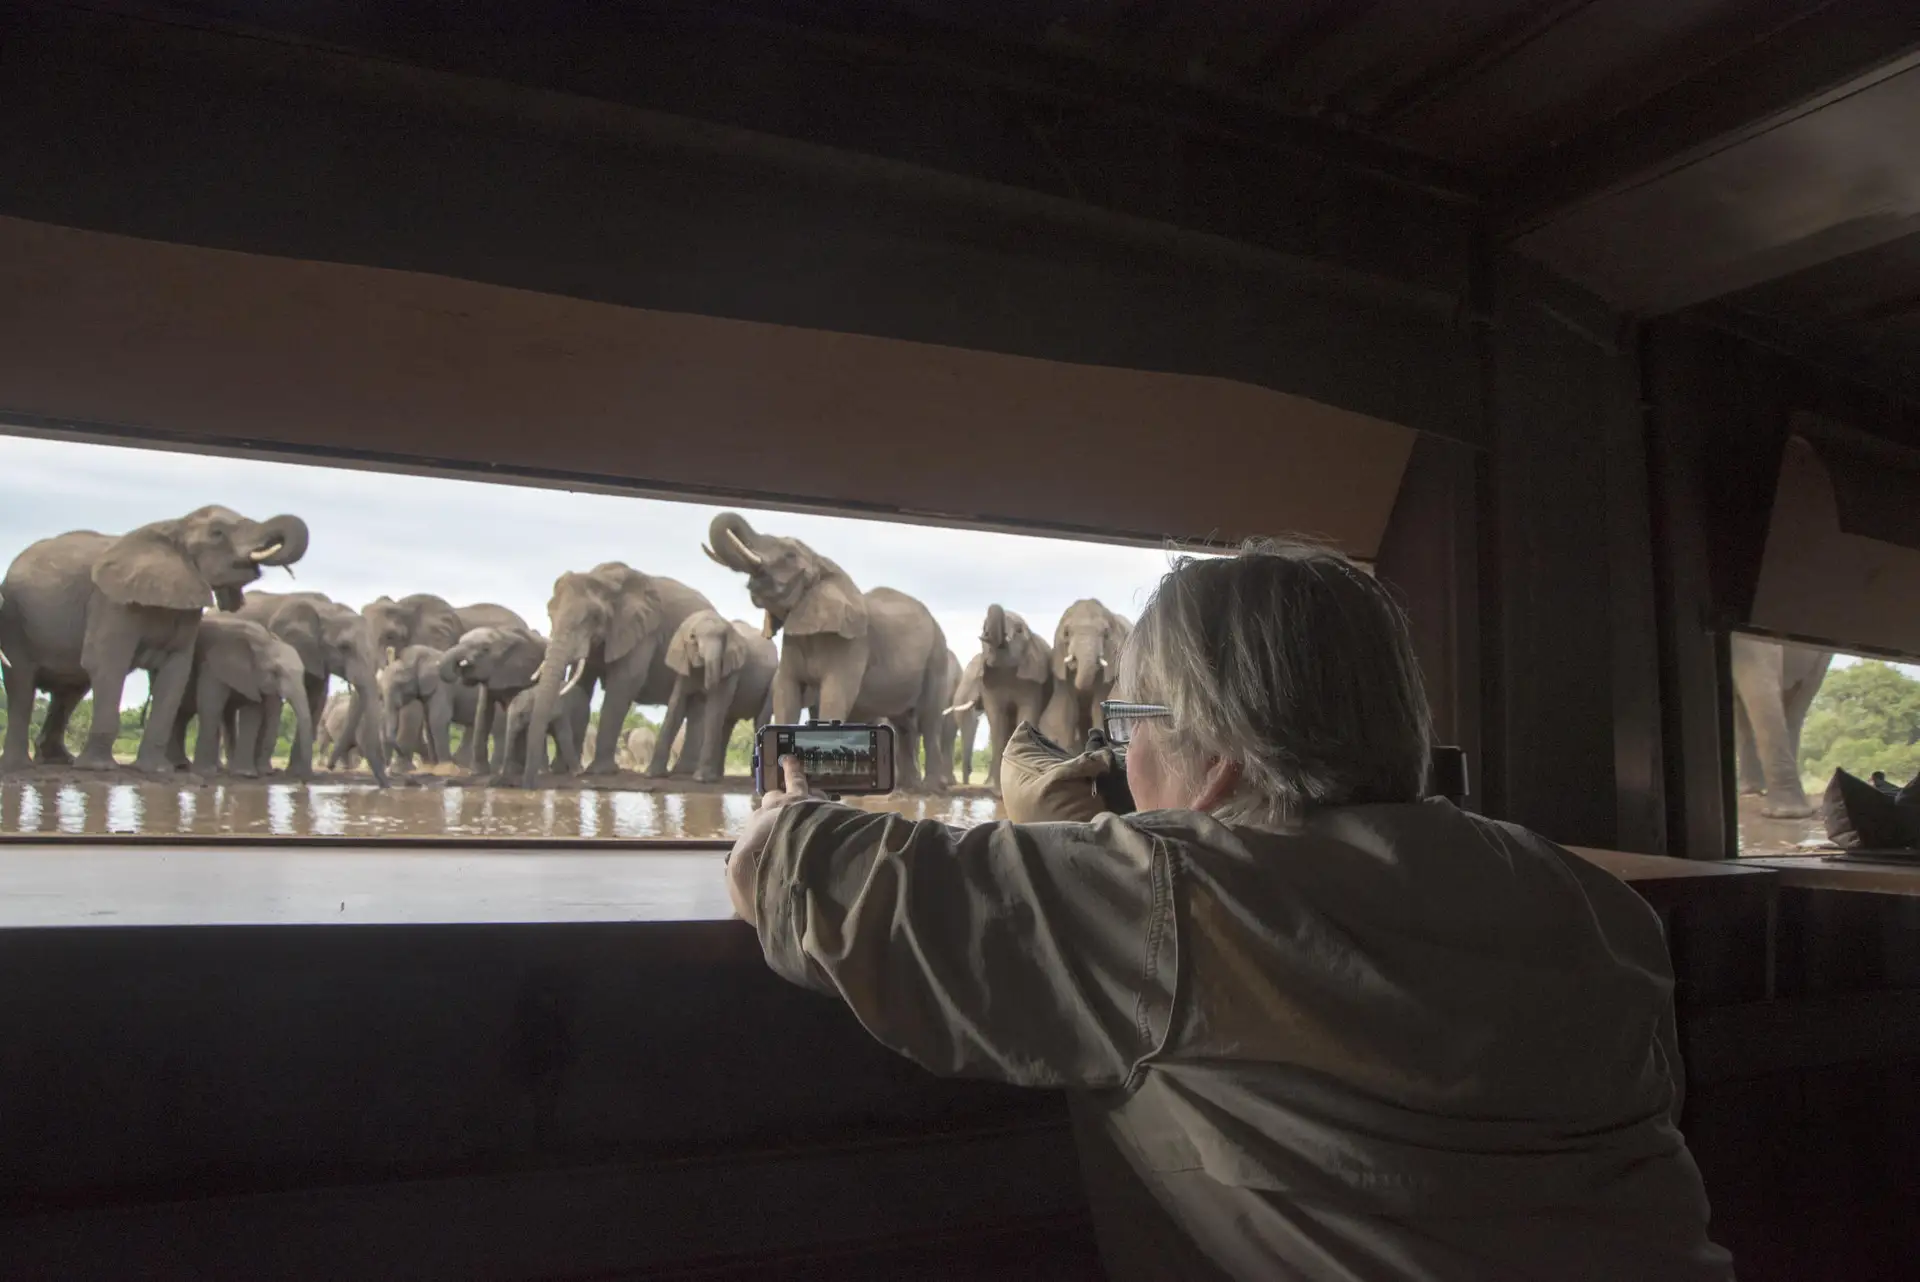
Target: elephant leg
{"points": [[561, 732], [906, 752], [21, 678], [53, 731], [839, 688], [620, 690], [1746, 753], [177, 737], [210, 712], [669, 727], [789, 696], [112, 660], [250, 726], [169, 689], [1756, 674]]}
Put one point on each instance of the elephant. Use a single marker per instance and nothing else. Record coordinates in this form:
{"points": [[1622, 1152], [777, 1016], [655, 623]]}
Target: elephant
{"points": [[517, 716], [238, 662], [415, 680], [636, 750], [425, 619], [849, 655], [1086, 654], [724, 675], [1773, 686], [611, 625], [83, 609], [497, 663], [334, 640], [1016, 679], [330, 729]]}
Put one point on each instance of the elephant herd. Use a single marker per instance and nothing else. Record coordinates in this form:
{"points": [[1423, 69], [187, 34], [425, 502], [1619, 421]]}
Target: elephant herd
{"points": [[79, 611]]}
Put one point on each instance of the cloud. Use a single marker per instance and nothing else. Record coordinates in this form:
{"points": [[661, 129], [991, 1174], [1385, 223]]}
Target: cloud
{"points": [[380, 533]]}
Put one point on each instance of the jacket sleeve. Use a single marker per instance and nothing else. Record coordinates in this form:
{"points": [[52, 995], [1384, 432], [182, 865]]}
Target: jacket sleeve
{"points": [[1035, 954]]}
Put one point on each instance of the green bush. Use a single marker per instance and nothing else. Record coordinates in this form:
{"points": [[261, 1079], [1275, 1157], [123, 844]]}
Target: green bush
{"points": [[1865, 718]]}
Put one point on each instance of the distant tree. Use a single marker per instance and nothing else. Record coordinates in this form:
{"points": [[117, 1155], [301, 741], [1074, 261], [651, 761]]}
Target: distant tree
{"points": [[1865, 718]]}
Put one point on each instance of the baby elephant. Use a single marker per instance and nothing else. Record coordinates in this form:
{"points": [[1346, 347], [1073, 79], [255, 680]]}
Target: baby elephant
{"points": [[560, 735], [242, 671], [724, 674]]}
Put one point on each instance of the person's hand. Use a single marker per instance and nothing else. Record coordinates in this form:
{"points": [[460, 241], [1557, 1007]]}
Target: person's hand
{"points": [[743, 861]]}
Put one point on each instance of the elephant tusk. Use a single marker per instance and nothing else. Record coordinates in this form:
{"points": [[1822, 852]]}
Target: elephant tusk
{"points": [[260, 554], [574, 675], [753, 557], [769, 629], [957, 709], [4, 661], [391, 654]]}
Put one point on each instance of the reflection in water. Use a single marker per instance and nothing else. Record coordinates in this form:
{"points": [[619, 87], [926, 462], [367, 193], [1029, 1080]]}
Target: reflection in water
{"points": [[124, 808], [348, 810]]}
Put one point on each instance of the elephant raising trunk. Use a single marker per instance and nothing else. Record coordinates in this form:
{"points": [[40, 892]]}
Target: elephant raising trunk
{"points": [[849, 655]]}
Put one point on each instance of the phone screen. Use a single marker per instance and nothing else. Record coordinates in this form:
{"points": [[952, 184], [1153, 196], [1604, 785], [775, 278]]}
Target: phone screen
{"points": [[835, 758]]}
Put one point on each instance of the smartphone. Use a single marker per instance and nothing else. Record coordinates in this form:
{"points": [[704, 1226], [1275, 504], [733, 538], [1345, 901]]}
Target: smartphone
{"points": [[838, 757]]}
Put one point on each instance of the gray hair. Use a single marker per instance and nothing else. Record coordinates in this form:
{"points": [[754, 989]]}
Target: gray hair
{"points": [[1291, 660]]}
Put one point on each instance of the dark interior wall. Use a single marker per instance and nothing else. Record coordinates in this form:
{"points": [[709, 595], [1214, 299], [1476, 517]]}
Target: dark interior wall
{"points": [[207, 139], [1572, 713]]}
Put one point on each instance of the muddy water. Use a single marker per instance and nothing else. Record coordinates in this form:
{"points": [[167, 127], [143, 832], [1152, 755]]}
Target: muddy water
{"points": [[108, 807]]}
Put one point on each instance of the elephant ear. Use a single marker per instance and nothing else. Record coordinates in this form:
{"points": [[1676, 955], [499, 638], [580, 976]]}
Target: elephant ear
{"points": [[147, 568], [678, 656], [635, 615], [1037, 662], [298, 623], [832, 605]]}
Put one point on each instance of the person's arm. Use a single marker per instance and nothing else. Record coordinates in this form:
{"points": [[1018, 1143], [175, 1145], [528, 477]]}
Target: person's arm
{"points": [[1041, 955]]}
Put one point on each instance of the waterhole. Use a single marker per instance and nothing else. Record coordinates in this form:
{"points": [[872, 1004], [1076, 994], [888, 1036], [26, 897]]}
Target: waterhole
{"points": [[114, 807]]}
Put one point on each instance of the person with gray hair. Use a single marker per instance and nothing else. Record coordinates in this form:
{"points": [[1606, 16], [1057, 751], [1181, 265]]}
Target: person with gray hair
{"points": [[1311, 1022]]}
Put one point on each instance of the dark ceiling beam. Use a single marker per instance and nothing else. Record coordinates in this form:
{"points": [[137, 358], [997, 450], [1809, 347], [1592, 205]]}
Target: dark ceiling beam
{"points": [[1794, 66], [1826, 180]]}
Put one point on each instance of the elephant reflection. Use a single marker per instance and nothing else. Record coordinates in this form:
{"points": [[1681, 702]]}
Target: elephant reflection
{"points": [[1774, 685]]}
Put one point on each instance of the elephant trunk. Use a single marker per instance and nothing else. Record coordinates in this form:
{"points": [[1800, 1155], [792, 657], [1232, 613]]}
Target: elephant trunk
{"points": [[731, 542], [563, 667], [712, 657], [450, 669], [1089, 670], [994, 633], [280, 540], [300, 758]]}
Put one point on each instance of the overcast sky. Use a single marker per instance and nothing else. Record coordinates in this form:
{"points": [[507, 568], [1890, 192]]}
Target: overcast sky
{"points": [[377, 533]]}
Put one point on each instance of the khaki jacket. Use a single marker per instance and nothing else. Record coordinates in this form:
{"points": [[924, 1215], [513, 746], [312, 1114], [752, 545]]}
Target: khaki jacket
{"points": [[1400, 1042]]}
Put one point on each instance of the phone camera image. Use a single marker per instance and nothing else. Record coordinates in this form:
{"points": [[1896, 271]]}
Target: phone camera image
{"points": [[834, 759]]}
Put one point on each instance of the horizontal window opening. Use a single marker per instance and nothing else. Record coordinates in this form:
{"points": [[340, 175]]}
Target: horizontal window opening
{"points": [[556, 564]]}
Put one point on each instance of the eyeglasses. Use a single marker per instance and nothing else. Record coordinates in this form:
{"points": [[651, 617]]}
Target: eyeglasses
{"points": [[1119, 718]]}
